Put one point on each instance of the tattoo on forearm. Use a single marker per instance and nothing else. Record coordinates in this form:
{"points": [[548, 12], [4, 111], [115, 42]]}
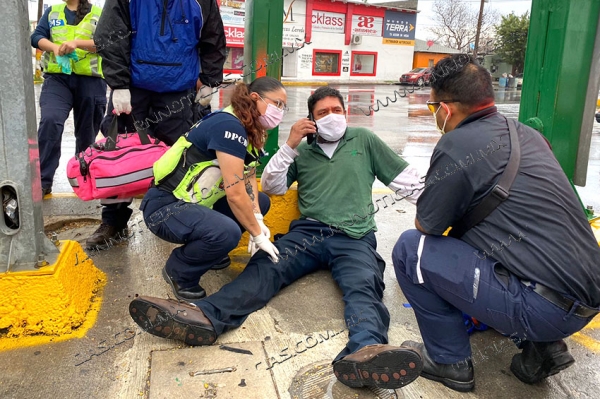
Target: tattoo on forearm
{"points": [[250, 191]]}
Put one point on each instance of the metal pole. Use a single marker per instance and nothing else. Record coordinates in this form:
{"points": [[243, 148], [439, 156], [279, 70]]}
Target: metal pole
{"points": [[561, 45], [23, 244], [263, 38], [588, 120], [479, 21], [40, 9]]}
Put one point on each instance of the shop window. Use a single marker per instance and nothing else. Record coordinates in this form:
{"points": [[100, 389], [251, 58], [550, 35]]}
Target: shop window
{"points": [[363, 63], [431, 62], [235, 59], [326, 62]]}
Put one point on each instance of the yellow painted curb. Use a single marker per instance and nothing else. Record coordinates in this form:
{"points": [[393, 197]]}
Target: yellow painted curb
{"points": [[55, 303], [293, 83], [284, 209]]}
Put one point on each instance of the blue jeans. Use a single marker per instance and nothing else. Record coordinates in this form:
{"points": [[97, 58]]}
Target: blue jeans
{"points": [[207, 235], [310, 246], [449, 278]]}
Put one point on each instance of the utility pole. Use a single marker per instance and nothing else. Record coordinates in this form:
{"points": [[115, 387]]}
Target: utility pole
{"points": [[40, 9], [475, 50]]}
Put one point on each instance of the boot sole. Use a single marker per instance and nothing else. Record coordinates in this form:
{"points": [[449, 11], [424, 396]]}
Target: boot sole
{"points": [[460, 386], [160, 322], [388, 370], [181, 298], [549, 367]]}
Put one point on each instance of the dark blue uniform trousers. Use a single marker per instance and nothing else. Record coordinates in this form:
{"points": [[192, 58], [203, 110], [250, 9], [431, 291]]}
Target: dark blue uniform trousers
{"points": [[166, 116], [207, 234], [86, 96], [442, 277], [310, 246]]}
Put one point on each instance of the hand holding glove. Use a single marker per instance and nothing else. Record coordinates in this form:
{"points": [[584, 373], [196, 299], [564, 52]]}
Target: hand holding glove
{"points": [[204, 95], [121, 99], [262, 242]]}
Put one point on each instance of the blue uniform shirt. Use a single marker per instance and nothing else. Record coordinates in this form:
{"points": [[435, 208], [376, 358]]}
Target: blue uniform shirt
{"points": [[42, 31]]}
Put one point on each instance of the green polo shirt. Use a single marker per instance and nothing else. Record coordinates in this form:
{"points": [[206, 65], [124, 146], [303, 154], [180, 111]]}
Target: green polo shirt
{"points": [[337, 191]]}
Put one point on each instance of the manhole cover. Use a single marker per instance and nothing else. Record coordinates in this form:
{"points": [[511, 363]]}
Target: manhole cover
{"points": [[316, 381]]}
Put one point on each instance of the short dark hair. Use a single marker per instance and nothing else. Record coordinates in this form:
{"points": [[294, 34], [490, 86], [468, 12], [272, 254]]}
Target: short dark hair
{"points": [[321, 93], [460, 77]]}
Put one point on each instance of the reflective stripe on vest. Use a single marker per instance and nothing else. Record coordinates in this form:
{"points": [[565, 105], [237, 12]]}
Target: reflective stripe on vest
{"points": [[89, 64], [202, 182]]}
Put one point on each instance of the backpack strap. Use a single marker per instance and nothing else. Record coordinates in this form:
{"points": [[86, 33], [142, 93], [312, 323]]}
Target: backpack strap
{"points": [[499, 193]]}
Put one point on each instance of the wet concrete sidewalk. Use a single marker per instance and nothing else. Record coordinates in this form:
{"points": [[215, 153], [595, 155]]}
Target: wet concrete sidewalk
{"points": [[302, 328]]}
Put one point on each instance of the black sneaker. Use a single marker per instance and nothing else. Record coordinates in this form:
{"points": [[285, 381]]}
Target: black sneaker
{"points": [[458, 376], [222, 264], [46, 191], [184, 294], [105, 237], [540, 360]]}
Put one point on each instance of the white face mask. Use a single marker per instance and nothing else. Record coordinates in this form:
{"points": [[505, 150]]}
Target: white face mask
{"points": [[441, 130], [332, 127]]}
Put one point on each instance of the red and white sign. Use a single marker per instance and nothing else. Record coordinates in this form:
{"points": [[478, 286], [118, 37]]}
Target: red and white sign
{"points": [[332, 22], [234, 35], [367, 26]]}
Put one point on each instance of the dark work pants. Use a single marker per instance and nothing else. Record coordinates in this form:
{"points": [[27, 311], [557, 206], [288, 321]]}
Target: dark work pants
{"points": [[207, 235], [124, 121], [166, 116], [86, 96], [442, 277], [355, 266]]}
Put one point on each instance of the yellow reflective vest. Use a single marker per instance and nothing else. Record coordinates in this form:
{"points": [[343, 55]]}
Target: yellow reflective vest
{"points": [[89, 64], [191, 176]]}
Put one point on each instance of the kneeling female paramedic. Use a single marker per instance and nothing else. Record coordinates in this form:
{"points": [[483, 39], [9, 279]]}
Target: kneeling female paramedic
{"points": [[205, 192]]}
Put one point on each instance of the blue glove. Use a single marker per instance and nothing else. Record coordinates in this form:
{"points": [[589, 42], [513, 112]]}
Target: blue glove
{"points": [[65, 61]]}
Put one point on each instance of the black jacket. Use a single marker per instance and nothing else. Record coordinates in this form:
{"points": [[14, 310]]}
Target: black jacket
{"points": [[113, 43]]}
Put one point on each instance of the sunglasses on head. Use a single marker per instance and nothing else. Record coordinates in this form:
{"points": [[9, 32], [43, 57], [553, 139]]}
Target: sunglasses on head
{"points": [[431, 104]]}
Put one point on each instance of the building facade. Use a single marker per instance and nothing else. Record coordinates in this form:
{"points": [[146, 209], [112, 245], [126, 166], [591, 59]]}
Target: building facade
{"points": [[345, 42]]}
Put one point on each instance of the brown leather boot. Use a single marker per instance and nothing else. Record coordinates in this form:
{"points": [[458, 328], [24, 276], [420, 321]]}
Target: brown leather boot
{"points": [[168, 318], [380, 366]]}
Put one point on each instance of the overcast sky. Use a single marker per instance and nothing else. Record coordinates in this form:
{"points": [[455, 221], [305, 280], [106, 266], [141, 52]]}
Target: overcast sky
{"points": [[425, 17]]}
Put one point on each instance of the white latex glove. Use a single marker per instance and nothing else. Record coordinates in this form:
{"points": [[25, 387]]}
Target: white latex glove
{"points": [[263, 227], [262, 242], [204, 95], [121, 99]]}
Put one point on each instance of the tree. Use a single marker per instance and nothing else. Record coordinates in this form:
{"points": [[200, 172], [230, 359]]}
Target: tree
{"points": [[512, 40], [457, 23]]}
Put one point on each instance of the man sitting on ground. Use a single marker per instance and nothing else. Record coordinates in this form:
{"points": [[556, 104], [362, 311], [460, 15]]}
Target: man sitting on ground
{"points": [[336, 231]]}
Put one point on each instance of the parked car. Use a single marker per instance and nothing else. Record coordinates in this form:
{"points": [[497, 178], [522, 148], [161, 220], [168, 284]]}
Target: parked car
{"points": [[418, 76]]}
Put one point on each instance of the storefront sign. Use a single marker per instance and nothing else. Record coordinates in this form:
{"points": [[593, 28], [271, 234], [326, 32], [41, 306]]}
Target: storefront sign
{"points": [[332, 22], [293, 34], [346, 61], [306, 61], [234, 35], [367, 26], [233, 16], [400, 26], [233, 3]]}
